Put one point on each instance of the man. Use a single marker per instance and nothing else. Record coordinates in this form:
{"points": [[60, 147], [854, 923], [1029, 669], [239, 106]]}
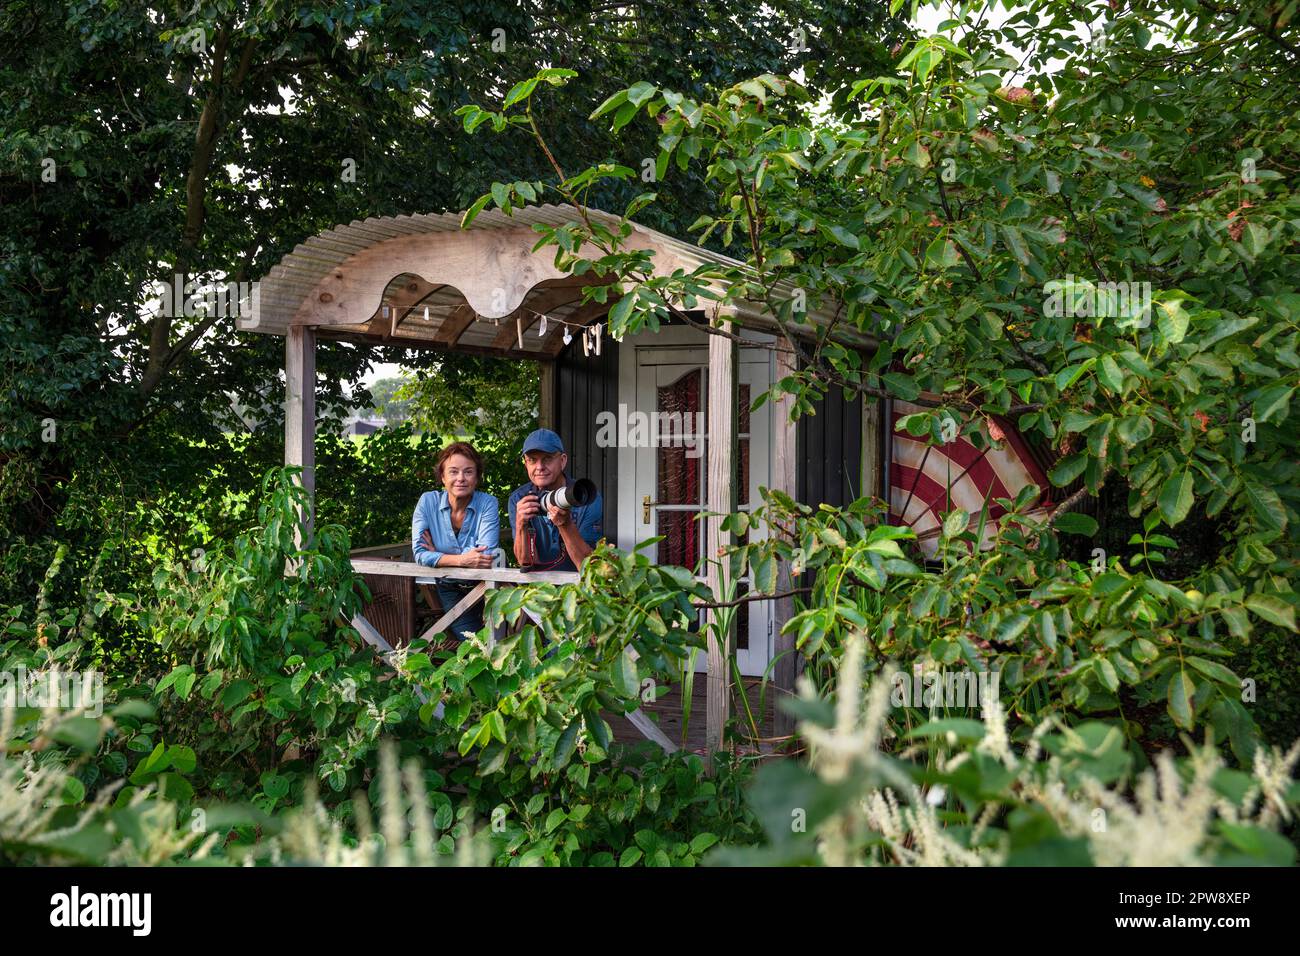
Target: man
{"points": [[563, 538]]}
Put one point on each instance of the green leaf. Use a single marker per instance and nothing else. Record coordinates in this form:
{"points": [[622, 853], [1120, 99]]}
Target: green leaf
{"points": [[235, 693], [1214, 671], [640, 92], [701, 842], [1265, 846], [1181, 691], [630, 856], [181, 758], [955, 523], [1106, 672], [496, 725], [1016, 243], [472, 212], [901, 386], [1110, 375], [844, 237], [963, 727], [79, 732], [1135, 429], [1272, 609], [1012, 628], [1274, 402], [1068, 469], [568, 740], [520, 91], [1066, 377], [1172, 321], [613, 101], [623, 675], [1266, 505], [1072, 522], [1175, 498], [917, 155]]}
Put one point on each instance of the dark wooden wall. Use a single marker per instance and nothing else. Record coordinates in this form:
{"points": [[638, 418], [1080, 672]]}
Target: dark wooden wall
{"points": [[828, 447], [584, 387]]}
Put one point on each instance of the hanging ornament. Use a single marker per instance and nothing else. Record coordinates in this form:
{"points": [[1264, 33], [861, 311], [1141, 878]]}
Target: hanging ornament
{"points": [[586, 342], [519, 331], [541, 328], [426, 313], [568, 336], [595, 337]]}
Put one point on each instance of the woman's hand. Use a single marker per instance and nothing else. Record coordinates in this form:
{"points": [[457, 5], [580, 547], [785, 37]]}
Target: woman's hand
{"points": [[475, 557]]}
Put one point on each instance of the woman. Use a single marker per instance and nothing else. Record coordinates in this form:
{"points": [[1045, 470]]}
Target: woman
{"points": [[457, 528]]}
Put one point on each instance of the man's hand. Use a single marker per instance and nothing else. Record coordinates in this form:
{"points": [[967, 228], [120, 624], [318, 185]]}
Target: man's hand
{"points": [[560, 517], [527, 507]]}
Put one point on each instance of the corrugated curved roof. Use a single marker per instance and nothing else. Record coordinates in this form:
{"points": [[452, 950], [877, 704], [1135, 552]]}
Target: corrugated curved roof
{"points": [[440, 315]]}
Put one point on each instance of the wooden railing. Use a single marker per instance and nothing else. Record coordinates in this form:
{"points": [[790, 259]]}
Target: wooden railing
{"points": [[487, 579]]}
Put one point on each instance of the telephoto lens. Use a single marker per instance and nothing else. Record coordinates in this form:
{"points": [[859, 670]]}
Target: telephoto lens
{"points": [[573, 495]]}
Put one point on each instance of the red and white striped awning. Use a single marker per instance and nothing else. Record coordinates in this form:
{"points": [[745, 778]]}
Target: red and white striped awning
{"points": [[927, 481]]}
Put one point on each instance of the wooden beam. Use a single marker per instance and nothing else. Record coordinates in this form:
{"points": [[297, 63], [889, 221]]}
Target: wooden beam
{"points": [[300, 410], [784, 478], [454, 326], [475, 593], [546, 396], [492, 268], [409, 569], [723, 362], [326, 333]]}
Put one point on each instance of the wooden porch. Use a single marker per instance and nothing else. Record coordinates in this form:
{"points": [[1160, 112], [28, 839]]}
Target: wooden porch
{"points": [[404, 606], [424, 282]]}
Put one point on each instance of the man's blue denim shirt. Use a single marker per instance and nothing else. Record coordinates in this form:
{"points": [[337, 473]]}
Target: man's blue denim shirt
{"points": [[589, 520]]}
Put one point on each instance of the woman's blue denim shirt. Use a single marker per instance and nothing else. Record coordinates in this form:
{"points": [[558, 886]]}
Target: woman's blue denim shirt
{"points": [[481, 527]]}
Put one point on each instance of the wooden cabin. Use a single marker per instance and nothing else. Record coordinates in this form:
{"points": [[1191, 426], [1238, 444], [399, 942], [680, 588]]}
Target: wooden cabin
{"points": [[422, 281]]}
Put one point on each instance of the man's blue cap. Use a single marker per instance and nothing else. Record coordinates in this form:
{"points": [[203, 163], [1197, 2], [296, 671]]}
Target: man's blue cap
{"points": [[543, 440]]}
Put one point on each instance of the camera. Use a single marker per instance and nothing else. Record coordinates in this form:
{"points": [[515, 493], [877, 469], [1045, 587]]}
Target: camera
{"points": [[573, 495]]}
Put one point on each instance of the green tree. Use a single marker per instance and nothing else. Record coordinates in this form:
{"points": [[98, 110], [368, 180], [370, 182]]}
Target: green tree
{"points": [[989, 226], [142, 141]]}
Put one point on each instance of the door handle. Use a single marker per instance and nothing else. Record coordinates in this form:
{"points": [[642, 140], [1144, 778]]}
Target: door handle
{"points": [[646, 505]]}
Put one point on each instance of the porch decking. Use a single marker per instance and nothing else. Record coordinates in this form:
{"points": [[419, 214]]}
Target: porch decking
{"points": [[667, 712]]}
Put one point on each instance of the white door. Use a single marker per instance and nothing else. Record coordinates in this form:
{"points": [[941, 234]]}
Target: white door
{"points": [[670, 471]]}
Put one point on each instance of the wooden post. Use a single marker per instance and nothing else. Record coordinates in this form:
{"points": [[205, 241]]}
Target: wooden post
{"points": [[723, 360], [546, 400], [872, 484], [300, 409], [784, 478]]}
